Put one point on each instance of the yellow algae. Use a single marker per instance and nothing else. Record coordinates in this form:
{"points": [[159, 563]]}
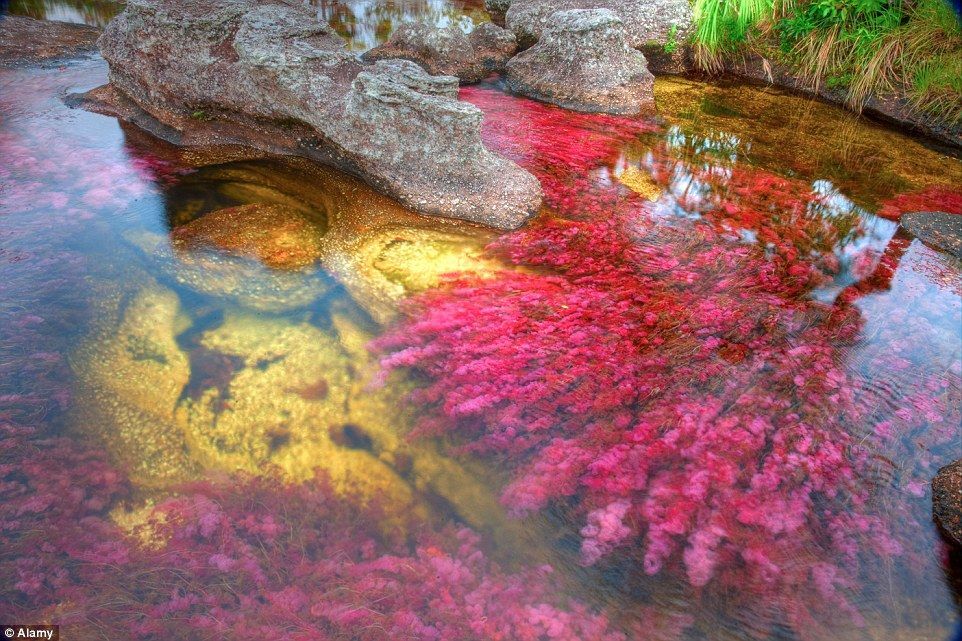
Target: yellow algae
{"points": [[639, 182], [263, 418], [140, 522], [130, 373], [778, 130]]}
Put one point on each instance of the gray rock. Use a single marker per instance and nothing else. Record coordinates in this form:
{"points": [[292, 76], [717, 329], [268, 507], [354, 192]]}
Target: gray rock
{"points": [[270, 76], [583, 62], [937, 229], [646, 21], [497, 10], [947, 501], [449, 51]]}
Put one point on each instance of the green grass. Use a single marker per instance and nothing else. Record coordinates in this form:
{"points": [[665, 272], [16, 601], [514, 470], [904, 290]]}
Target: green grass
{"points": [[911, 48]]}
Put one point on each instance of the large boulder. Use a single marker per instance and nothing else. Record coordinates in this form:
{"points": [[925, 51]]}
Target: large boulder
{"points": [[647, 22], [947, 501], [583, 62], [270, 76], [449, 51]]}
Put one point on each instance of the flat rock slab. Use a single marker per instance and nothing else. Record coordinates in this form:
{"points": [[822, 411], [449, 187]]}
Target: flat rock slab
{"points": [[449, 51], [271, 76], [947, 501], [937, 229], [646, 21], [583, 62], [28, 41]]}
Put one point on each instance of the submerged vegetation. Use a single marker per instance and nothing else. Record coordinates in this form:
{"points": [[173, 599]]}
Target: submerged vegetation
{"points": [[868, 47], [677, 391]]}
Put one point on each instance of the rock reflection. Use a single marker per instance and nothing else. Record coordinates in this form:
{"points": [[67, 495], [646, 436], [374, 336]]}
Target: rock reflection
{"points": [[367, 24]]}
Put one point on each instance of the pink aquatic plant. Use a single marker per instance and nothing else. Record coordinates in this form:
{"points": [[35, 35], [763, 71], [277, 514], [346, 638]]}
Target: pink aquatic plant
{"points": [[232, 558], [672, 386], [935, 198]]}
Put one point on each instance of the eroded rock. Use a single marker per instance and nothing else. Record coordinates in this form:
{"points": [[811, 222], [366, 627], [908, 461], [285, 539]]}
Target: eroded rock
{"points": [[947, 501], [130, 373], [238, 279], [646, 22], [582, 61], [272, 77], [449, 51]]}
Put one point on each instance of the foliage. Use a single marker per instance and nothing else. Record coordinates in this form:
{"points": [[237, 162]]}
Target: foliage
{"points": [[871, 47], [671, 386], [232, 558]]}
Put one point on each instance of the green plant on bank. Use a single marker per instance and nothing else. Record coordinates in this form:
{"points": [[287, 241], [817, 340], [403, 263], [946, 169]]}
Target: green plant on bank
{"points": [[869, 47], [671, 43]]}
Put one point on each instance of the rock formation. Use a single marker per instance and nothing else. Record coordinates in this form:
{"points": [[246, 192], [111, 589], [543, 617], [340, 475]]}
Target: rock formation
{"points": [[270, 76], [947, 501], [583, 62], [448, 51], [28, 41], [646, 21]]}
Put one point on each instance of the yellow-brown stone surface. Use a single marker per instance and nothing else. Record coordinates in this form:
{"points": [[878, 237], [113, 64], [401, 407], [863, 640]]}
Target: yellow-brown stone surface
{"points": [[278, 237]]}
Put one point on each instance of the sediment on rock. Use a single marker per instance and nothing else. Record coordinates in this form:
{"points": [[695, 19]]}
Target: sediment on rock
{"points": [[270, 76], [583, 62]]}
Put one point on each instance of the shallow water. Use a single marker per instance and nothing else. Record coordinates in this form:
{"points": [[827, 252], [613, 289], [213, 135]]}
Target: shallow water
{"points": [[362, 23], [714, 289]]}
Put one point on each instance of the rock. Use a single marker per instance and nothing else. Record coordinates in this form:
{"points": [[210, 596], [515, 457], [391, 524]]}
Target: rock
{"points": [[947, 501], [448, 51], [381, 265], [271, 76], [496, 10], [938, 229], [646, 21], [583, 62], [130, 372], [277, 237], [28, 41]]}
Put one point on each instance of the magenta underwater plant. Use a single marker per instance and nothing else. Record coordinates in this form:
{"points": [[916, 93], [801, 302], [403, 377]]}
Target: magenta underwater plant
{"points": [[934, 198], [675, 388], [233, 558]]}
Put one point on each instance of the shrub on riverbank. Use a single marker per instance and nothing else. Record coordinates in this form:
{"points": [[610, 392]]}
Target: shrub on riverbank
{"points": [[869, 47]]}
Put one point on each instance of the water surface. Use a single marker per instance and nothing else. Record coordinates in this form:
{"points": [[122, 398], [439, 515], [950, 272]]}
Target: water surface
{"points": [[203, 314]]}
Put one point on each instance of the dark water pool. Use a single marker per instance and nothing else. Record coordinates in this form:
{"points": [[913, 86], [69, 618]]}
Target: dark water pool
{"points": [[699, 397]]}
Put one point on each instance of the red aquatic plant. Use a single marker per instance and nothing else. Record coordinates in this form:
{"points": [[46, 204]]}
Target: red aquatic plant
{"points": [[671, 385], [934, 198], [228, 559]]}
